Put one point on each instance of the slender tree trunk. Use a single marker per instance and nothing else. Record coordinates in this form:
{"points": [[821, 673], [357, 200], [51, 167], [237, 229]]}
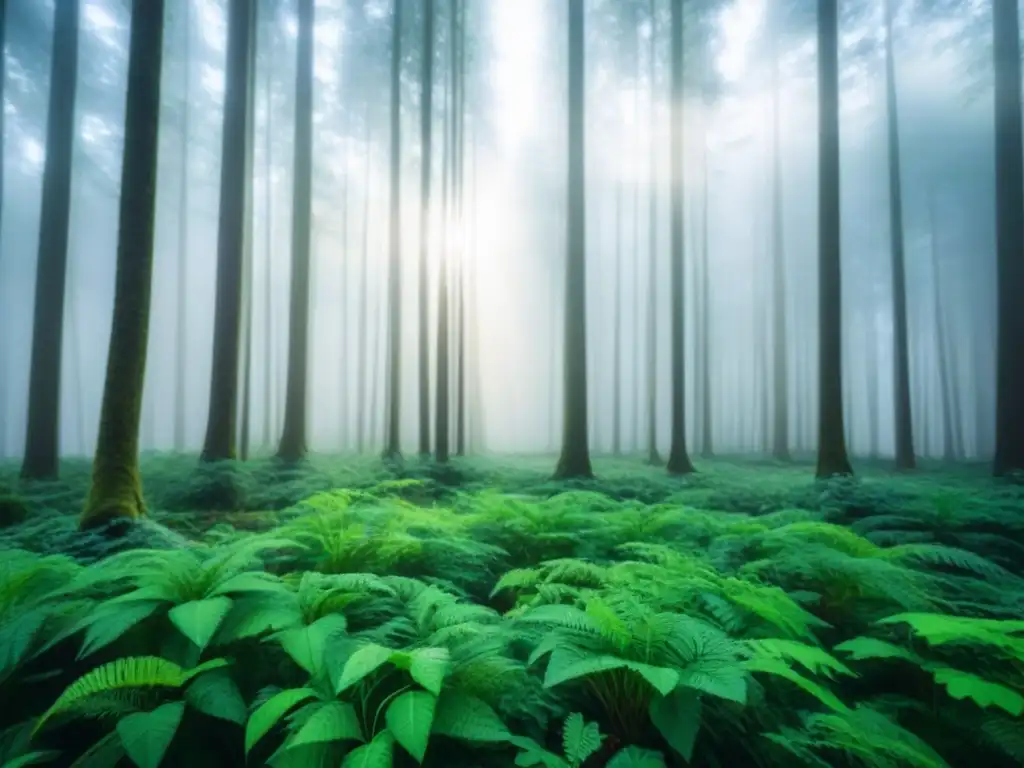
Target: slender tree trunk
{"points": [[269, 390], [221, 425], [941, 339], [904, 428], [116, 489], [343, 331], [832, 456], [460, 284], [3, 323], [42, 437], [653, 457], [678, 460], [1009, 456], [575, 457], [871, 374], [364, 290], [779, 337], [249, 236], [181, 370], [617, 329], [426, 139], [293, 437], [442, 412], [392, 444]]}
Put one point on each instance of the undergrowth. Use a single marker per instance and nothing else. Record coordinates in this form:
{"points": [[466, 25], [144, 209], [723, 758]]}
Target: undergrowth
{"points": [[746, 617]]}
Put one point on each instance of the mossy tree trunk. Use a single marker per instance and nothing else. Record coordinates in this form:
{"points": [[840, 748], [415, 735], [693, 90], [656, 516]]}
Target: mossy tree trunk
{"points": [[116, 489], [832, 456], [232, 239], [678, 459], [574, 460], [42, 437], [393, 420], [426, 143], [293, 436], [1009, 240], [904, 423]]}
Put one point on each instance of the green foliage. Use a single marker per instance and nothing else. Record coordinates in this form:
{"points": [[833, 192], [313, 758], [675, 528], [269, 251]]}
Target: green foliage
{"points": [[372, 617]]}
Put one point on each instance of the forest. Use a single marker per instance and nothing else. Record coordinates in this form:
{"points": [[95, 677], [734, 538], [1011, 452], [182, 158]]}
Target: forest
{"points": [[472, 383]]}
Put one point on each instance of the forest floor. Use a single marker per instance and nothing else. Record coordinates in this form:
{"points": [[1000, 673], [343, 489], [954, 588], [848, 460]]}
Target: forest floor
{"points": [[480, 614]]}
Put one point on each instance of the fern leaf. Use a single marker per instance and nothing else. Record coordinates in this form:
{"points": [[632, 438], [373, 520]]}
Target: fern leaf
{"points": [[963, 685], [580, 739]]}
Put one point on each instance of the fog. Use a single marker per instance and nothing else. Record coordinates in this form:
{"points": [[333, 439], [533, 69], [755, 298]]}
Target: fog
{"points": [[510, 238]]}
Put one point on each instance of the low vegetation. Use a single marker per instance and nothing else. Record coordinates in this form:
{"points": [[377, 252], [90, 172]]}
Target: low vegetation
{"points": [[358, 616]]}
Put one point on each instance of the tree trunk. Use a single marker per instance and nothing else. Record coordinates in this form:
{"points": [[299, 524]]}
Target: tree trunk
{"points": [[293, 436], [871, 373], [42, 437], [904, 427], [941, 339], [653, 457], [116, 489], [678, 459], [181, 338], [707, 448], [426, 139], [269, 389], [248, 237], [364, 304], [574, 460], [343, 330], [832, 457], [1009, 456], [460, 284], [442, 412], [231, 241], [779, 337], [617, 329], [392, 443]]}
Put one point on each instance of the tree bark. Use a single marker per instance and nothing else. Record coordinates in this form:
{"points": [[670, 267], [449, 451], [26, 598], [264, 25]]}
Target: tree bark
{"points": [[181, 338], [248, 238], [364, 304], [116, 489], [832, 456], [653, 457], [293, 437], [42, 437], [617, 329], [1009, 456], [269, 389], [460, 285], [426, 142], [574, 460], [442, 409], [678, 460], [219, 444], [780, 340]]}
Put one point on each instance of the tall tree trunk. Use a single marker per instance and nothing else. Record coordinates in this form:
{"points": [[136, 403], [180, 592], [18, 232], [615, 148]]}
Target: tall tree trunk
{"points": [[269, 390], [364, 305], [460, 283], [653, 457], [3, 324], [1009, 239], [42, 437], [678, 459], [442, 408], [116, 488], [780, 341], [574, 460], [343, 331], [181, 337], [426, 139], [293, 437], [941, 338], [392, 443], [871, 373], [617, 329], [904, 427], [248, 238], [832, 457], [219, 444]]}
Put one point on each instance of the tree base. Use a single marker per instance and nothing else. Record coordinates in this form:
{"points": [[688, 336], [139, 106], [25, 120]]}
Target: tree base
{"points": [[679, 463], [573, 466]]}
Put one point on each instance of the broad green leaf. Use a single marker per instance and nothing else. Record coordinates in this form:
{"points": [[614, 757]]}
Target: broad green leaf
{"points": [[198, 620], [147, 735], [861, 648], [334, 721], [376, 754], [468, 718], [963, 685], [107, 625], [726, 681], [108, 752], [810, 657], [533, 754], [307, 645], [780, 669], [305, 756], [635, 757], [16, 637], [271, 712], [677, 717], [662, 679], [410, 718], [364, 661], [252, 581], [216, 694], [580, 739], [31, 758], [254, 616], [429, 667], [201, 669]]}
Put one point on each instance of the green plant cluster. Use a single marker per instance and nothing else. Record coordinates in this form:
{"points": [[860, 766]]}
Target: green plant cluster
{"points": [[387, 626]]}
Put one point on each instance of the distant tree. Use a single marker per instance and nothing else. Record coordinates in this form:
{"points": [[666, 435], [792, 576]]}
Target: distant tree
{"points": [[653, 457], [116, 488], [248, 251], [678, 459], [832, 457], [442, 409], [574, 460], [3, 152], [42, 437], [904, 425], [293, 436], [426, 143], [1009, 239], [460, 185], [392, 442], [232, 238], [181, 350], [617, 328]]}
